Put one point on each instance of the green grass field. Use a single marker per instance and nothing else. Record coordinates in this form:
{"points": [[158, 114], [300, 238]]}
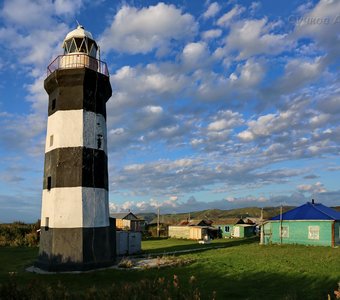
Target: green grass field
{"points": [[241, 270]]}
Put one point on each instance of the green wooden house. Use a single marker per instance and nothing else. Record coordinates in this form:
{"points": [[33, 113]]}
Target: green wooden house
{"points": [[226, 226], [308, 224], [243, 230]]}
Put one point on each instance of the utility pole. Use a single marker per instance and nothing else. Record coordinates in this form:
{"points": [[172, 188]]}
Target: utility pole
{"points": [[281, 225], [158, 222], [262, 228]]}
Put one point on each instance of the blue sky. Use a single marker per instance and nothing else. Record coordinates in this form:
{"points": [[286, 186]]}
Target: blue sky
{"points": [[215, 104]]}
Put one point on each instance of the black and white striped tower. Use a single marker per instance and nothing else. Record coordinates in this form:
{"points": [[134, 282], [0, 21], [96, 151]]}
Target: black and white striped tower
{"points": [[75, 225]]}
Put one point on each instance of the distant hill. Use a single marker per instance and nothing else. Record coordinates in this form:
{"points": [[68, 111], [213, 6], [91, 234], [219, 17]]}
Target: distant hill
{"points": [[337, 208], [214, 214]]}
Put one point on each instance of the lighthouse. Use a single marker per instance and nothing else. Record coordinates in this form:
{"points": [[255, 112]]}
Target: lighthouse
{"points": [[75, 226]]}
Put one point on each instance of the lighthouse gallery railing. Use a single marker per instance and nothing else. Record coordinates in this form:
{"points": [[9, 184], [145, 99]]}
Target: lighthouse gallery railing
{"points": [[77, 60]]}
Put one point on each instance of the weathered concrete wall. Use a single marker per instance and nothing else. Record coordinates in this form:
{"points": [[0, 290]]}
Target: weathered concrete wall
{"points": [[63, 249], [76, 128], [79, 166]]}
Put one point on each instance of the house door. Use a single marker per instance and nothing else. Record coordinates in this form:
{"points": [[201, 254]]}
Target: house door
{"points": [[237, 231]]}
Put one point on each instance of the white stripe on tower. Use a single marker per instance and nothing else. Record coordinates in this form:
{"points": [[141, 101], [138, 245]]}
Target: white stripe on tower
{"points": [[92, 211], [76, 128]]}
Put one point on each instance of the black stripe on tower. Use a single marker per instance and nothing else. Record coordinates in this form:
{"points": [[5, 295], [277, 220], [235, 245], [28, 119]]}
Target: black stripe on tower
{"points": [[73, 89], [64, 249], [75, 166]]}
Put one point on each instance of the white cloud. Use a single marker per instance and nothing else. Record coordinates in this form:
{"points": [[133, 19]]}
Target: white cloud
{"points": [[298, 73], [225, 120], [230, 15], [254, 6], [253, 37], [271, 124], [141, 31], [27, 13], [320, 23], [151, 79], [195, 55], [317, 187], [212, 10], [67, 7], [211, 34], [251, 73]]}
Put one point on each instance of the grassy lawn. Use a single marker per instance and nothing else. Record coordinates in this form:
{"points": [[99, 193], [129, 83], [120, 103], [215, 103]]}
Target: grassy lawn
{"points": [[172, 245], [241, 270]]}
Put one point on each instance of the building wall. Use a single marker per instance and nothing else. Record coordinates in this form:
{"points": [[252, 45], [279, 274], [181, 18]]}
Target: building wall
{"points": [[179, 232], [244, 231], [133, 225], [222, 227], [337, 232], [298, 232], [187, 232]]}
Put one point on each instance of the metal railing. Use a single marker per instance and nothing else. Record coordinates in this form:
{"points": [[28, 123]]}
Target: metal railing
{"points": [[77, 60]]}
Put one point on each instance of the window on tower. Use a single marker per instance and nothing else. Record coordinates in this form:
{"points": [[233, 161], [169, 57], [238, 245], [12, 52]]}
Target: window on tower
{"points": [[51, 140], [53, 105], [49, 183], [99, 141], [47, 223]]}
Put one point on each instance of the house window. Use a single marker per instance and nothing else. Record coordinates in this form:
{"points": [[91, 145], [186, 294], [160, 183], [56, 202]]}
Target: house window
{"points": [[226, 228], [53, 105], [49, 183], [313, 232], [51, 140], [284, 231]]}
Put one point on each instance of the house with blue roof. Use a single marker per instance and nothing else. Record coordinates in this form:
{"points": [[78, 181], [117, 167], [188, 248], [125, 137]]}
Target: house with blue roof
{"points": [[309, 224]]}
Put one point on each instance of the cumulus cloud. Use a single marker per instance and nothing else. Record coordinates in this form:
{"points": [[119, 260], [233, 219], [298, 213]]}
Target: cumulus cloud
{"points": [[212, 10], [253, 37], [211, 34], [133, 30], [315, 188], [230, 15], [298, 73], [196, 55]]}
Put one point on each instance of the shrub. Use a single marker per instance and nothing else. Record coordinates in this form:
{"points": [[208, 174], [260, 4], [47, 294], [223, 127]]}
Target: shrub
{"points": [[19, 234]]}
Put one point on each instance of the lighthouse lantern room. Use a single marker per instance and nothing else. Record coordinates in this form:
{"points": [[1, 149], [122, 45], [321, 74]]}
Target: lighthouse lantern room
{"points": [[76, 233]]}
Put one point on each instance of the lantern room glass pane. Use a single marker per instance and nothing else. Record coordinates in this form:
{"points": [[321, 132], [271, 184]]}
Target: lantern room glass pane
{"points": [[92, 49], [67, 47], [73, 47]]}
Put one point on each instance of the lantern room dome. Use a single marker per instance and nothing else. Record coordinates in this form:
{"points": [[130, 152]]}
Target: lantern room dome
{"points": [[80, 41], [79, 32]]}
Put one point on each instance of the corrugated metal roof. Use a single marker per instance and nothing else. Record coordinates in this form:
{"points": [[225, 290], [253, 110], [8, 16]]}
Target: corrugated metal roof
{"points": [[310, 211], [122, 215], [227, 221]]}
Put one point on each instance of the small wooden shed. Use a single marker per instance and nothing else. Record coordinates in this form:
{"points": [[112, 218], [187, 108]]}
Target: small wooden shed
{"points": [[243, 230], [226, 226], [309, 224], [188, 232], [128, 221]]}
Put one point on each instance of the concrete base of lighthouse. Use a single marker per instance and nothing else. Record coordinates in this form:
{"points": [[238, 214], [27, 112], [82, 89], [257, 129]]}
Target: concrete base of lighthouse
{"points": [[76, 249]]}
